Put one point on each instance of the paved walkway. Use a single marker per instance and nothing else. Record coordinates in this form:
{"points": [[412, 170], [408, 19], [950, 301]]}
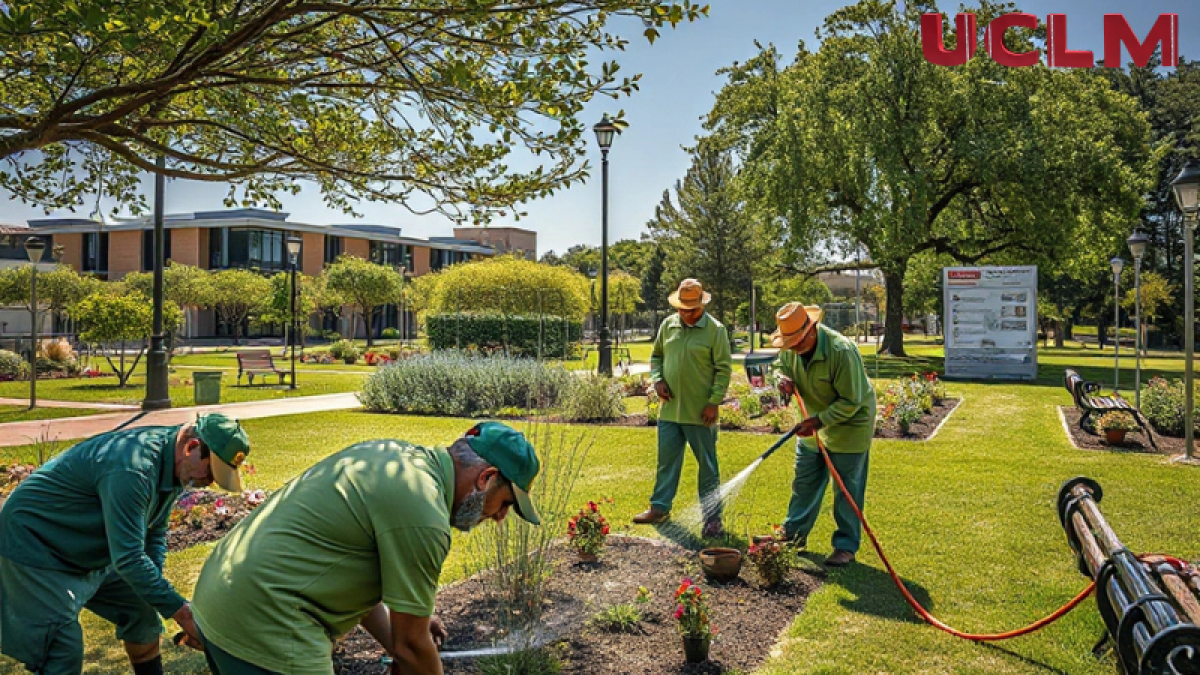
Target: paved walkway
{"points": [[69, 428], [42, 403]]}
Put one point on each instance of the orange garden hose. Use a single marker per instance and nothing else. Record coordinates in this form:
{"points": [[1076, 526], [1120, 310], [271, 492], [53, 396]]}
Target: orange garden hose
{"points": [[921, 611]]}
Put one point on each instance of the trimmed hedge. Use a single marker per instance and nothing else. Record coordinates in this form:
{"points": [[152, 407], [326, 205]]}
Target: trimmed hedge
{"points": [[492, 332]]}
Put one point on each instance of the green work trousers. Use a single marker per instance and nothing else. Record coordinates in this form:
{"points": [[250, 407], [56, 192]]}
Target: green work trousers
{"points": [[672, 436], [39, 615], [221, 662], [808, 489]]}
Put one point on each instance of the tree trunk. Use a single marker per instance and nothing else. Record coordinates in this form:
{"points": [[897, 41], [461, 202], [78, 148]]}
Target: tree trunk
{"points": [[1059, 328], [893, 330], [369, 320], [1102, 332]]}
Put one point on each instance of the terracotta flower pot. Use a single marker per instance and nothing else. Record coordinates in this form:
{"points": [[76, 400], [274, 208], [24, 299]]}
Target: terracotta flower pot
{"points": [[1115, 436], [588, 557], [695, 650], [721, 565]]}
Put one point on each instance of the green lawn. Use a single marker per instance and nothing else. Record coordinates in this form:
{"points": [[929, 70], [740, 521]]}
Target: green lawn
{"points": [[20, 413], [968, 519], [105, 390]]}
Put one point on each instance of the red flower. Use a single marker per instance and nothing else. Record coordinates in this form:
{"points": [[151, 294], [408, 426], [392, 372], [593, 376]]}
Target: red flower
{"points": [[604, 530], [679, 612], [593, 507]]}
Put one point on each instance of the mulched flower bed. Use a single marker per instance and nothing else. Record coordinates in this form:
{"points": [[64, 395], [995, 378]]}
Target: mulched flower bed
{"points": [[1135, 441], [918, 431], [749, 619], [201, 516]]}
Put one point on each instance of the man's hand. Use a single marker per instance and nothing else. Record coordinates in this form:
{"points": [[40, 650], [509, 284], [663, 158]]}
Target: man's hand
{"points": [[809, 427], [710, 414], [663, 391], [786, 386], [438, 631], [192, 634]]}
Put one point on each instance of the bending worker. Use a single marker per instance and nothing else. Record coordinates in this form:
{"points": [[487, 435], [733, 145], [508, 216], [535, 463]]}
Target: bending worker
{"points": [[690, 367], [365, 526], [826, 369], [89, 529]]}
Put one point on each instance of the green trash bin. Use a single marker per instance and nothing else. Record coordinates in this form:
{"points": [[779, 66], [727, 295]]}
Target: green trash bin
{"points": [[207, 388]]}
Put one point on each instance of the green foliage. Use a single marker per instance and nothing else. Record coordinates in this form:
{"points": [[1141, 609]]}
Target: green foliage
{"points": [[344, 349], [733, 417], [593, 398], [58, 289], [237, 296], [184, 285], [263, 98], [457, 384], [905, 401], [781, 419], [119, 319], [12, 365], [276, 305], [504, 285], [772, 561], [524, 662], [365, 286], [1163, 405], [390, 334], [624, 293], [625, 617], [653, 404], [776, 293], [1116, 420], [492, 332], [751, 405], [1157, 295]]}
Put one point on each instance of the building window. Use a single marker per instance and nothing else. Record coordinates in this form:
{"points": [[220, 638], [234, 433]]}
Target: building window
{"points": [[231, 248], [333, 248], [95, 252], [12, 247], [385, 253], [406, 256], [148, 248]]}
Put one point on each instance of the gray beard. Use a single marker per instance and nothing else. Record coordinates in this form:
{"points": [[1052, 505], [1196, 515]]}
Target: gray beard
{"points": [[470, 511]]}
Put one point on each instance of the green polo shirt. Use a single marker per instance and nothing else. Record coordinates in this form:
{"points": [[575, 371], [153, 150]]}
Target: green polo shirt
{"points": [[835, 388], [368, 524], [694, 361], [106, 501]]}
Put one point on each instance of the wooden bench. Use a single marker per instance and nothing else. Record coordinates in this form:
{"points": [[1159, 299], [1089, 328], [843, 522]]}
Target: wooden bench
{"points": [[1084, 394], [257, 362]]}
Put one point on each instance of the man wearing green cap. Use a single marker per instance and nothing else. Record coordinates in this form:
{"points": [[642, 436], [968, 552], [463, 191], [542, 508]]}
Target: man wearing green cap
{"points": [[359, 538], [89, 530]]}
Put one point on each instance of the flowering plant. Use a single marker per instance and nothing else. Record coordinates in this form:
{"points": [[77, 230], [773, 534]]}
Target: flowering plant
{"points": [[254, 497], [772, 560], [588, 530], [692, 612]]}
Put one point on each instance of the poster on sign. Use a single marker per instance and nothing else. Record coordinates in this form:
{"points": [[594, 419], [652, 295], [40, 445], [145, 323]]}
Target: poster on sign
{"points": [[991, 322]]}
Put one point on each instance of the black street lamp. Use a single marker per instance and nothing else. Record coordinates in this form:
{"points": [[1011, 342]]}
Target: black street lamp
{"points": [[1117, 265], [34, 248], [1187, 194], [158, 394], [605, 130], [293, 247], [1137, 246]]}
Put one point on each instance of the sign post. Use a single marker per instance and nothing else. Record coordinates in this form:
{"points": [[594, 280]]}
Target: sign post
{"points": [[991, 322]]}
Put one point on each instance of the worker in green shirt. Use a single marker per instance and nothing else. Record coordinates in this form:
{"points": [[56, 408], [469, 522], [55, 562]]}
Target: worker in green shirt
{"points": [[826, 369], [359, 538], [89, 530], [690, 368]]}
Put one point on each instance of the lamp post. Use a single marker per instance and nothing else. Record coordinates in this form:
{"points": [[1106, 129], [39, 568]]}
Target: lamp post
{"points": [[1137, 246], [158, 395], [403, 305], [1117, 265], [293, 247], [1187, 194], [605, 130], [34, 248]]}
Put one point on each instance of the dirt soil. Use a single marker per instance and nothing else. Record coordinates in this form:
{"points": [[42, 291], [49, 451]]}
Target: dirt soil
{"points": [[748, 618], [1135, 441], [196, 520], [920, 431]]}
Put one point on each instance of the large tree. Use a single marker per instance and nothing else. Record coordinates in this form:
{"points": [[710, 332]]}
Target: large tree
{"points": [[188, 287], [866, 143], [58, 289], [237, 296], [705, 232], [420, 104], [365, 286], [110, 320]]}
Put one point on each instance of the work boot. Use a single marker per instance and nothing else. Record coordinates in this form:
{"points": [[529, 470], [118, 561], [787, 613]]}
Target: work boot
{"points": [[651, 516], [713, 529], [839, 558]]}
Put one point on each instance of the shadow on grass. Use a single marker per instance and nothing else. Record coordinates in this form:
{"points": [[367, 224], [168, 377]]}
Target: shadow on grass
{"points": [[692, 541], [1022, 658], [874, 592]]}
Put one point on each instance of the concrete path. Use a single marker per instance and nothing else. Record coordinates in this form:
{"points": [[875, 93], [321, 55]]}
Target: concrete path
{"points": [[70, 428], [42, 403]]}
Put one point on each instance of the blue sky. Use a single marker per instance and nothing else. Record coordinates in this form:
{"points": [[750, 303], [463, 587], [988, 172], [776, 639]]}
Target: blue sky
{"points": [[677, 87]]}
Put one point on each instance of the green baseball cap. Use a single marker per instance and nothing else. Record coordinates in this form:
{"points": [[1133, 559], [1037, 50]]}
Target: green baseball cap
{"points": [[507, 449], [226, 440]]}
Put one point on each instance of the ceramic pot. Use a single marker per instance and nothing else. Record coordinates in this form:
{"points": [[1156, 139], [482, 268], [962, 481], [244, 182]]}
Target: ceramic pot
{"points": [[695, 650], [721, 565], [1115, 436]]}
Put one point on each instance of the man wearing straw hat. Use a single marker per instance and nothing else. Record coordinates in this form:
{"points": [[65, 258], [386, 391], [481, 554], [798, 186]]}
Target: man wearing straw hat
{"points": [[826, 370], [690, 368]]}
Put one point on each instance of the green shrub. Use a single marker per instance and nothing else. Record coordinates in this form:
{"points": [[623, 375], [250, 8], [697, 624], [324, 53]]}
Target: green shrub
{"points": [[496, 331], [332, 335], [451, 383], [732, 417], [344, 349], [390, 333], [1116, 420], [781, 419], [623, 618], [12, 365], [652, 406], [751, 405], [1163, 405], [593, 399], [524, 662]]}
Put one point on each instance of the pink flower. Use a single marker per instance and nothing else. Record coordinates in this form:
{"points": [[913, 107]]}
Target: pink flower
{"points": [[679, 612], [254, 497]]}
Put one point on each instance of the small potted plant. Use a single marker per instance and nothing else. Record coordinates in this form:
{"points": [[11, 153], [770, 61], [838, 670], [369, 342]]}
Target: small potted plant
{"points": [[587, 532], [1115, 425], [694, 627], [772, 560]]}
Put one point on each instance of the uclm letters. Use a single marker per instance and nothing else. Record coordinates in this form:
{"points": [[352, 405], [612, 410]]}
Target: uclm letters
{"points": [[1117, 32]]}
